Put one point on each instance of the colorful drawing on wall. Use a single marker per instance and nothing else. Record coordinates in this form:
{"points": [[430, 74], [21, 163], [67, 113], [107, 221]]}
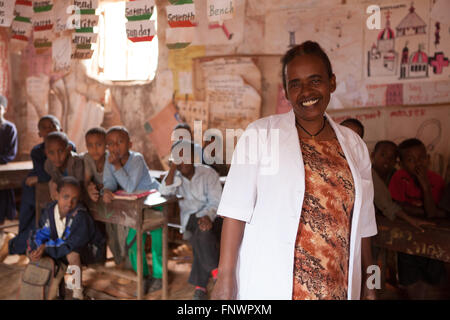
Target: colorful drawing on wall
{"points": [[412, 24], [438, 62], [414, 66], [382, 58]]}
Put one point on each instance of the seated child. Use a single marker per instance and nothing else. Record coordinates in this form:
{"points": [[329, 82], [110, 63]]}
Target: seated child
{"points": [[201, 190], [66, 232], [355, 125], [417, 190], [94, 164], [18, 245], [8, 151], [384, 157], [127, 170], [183, 131], [61, 160]]}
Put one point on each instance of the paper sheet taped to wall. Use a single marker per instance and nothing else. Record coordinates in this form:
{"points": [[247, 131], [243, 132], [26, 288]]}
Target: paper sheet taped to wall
{"points": [[232, 103]]}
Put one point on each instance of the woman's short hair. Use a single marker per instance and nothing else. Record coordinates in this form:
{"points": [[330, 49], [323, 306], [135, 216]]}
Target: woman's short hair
{"points": [[307, 47]]}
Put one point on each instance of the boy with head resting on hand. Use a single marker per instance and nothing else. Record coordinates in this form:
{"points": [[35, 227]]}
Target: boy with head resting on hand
{"points": [[418, 191], [200, 187], [127, 170], [67, 233], [384, 157]]}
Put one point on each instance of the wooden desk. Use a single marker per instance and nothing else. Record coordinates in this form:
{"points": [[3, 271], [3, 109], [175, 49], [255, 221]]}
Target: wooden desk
{"points": [[13, 174], [400, 236], [131, 214]]}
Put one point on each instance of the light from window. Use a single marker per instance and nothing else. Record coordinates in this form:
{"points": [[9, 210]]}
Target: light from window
{"points": [[115, 57]]}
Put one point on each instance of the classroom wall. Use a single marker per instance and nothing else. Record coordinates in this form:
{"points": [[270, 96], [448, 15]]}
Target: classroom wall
{"points": [[262, 30]]}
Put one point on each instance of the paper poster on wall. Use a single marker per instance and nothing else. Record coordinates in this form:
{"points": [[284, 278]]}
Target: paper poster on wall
{"points": [[181, 61], [6, 13], [220, 10], [42, 20], [21, 30], [86, 6], [23, 9], [84, 40], [182, 15], [82, 54], [214, 33], [87, 23], [232, 103], [61, 52], [338, 32], [191, 111], [62, 14], [179, 38], [42, 5], [139, 10], [142, 30]]}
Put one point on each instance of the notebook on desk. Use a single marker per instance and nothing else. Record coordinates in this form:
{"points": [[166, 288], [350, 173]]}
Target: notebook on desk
{"points": [[122, 195]]}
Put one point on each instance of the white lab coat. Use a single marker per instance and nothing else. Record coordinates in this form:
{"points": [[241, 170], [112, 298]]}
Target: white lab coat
{"points": [[270, 201]]}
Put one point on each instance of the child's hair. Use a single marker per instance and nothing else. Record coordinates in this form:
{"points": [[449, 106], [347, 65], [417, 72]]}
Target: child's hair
{"points": [[118, 129], [51, 118], [407, 144], [385, 142], [57, 136], [96, 130], [356, 122], [186, 143], [307, 47], [69, 180], [182, 126]]}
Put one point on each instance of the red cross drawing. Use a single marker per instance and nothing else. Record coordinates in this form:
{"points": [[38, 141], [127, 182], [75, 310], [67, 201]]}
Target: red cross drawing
{"points": [[438, 62]]}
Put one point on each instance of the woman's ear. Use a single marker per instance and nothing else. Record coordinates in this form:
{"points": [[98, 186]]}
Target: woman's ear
{"points": [[333, 83]]}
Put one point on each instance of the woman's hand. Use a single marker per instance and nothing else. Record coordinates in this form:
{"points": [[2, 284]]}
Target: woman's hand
{"points": [[225, 288]]}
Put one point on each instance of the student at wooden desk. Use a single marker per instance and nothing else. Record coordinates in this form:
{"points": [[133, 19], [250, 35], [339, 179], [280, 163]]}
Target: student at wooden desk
{"points": [[201, 190], [418, 190], [127, 170]]}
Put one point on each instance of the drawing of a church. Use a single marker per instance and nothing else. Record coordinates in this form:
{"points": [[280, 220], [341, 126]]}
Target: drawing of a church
{"points": [[411, 25], [415, 66], [382, 58]]}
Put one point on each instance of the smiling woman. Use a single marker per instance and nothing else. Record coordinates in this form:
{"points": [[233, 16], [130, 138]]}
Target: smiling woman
{"points": [[115, 57], [301, 232]]}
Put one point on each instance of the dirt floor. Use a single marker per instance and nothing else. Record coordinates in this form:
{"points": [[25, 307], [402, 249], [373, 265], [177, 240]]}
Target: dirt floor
{"points": [[107, 285], [103, 285]]}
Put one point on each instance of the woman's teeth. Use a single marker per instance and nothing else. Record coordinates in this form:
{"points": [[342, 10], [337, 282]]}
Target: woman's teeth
{"points": [[309, 103]]}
